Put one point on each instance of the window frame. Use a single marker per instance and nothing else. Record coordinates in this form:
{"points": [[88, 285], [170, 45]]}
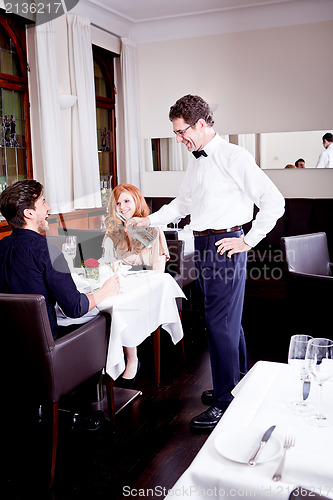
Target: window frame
{"points": [[105, 60], [15, 29]]}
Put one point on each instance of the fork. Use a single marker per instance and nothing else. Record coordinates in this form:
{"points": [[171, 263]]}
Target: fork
{"points": [[289, 442]]}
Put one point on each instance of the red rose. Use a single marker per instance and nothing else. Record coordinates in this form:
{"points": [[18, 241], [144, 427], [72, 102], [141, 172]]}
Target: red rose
{"points": [[91, 263]]}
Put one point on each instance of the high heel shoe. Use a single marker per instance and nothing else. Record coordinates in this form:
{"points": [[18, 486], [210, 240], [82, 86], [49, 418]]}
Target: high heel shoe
{"points": [[127, 383]]}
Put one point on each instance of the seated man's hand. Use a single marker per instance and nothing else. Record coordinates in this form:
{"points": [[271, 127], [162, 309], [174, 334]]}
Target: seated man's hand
{"points": [[112, 285]]}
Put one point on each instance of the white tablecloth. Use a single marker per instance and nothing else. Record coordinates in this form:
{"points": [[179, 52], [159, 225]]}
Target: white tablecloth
{"points": [[147, 301], [262, 399]]}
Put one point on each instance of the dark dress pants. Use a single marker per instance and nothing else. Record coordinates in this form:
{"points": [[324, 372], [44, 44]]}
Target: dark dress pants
{"points": [[222, 282]]}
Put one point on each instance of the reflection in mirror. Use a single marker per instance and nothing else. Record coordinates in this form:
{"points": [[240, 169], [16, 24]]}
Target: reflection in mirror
{"points": [[271, 150]]}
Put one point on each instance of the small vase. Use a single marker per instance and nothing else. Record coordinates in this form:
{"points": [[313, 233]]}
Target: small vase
{"points": [[91, 273]]}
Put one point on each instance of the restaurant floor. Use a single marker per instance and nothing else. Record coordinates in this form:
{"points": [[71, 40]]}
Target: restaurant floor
{"points": [[152, 443]]}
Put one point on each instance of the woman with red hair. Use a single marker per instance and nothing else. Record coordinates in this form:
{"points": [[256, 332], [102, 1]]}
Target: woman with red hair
{"points": [[119, 244]]}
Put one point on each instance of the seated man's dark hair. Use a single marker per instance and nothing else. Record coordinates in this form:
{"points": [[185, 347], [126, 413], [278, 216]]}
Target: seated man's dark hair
{"points": [[191, 108], [18, 197]]}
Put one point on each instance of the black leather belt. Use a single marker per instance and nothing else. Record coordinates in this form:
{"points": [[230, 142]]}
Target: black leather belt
{"points": [[208, 232]]}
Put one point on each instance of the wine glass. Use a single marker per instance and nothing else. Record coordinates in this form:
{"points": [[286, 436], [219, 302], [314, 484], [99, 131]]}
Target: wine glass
{"points": [[319, 360], [296, 360], [116, 269], [176, 222], [69, 250]]}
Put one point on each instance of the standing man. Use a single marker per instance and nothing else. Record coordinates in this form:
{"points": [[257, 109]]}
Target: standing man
{"points": [[220, 187], [326, 158]]}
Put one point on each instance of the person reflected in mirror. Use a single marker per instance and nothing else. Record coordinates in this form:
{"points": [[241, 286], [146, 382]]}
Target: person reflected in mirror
{"points": [[290, 166], [300, 163], [325, 160], [220, 187], [119, 244]]}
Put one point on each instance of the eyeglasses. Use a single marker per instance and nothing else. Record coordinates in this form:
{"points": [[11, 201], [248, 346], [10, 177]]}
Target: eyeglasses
{"points": [[181, 132]]}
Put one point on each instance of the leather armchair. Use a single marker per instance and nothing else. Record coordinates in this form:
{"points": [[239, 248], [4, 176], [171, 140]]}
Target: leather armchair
{"points": [[309, 281], [51, 368], [175, 265]]}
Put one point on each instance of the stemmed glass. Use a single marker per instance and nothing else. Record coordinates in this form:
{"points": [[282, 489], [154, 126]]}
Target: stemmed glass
{"points": [[296, 360], [69, 251], [116, 269], [319, 360], [176, 222]]}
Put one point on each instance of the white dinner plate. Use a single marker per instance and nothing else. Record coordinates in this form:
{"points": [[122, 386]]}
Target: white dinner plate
{"points": [[239, 444]]}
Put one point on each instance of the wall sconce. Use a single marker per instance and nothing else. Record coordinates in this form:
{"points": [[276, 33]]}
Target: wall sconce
{"points": [[67, 100], [213, 105]]}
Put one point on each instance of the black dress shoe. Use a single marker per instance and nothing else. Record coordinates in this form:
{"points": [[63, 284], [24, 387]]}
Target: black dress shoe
{"points": [[207, 420], [127, 383], [207, 397], [91, 422]]}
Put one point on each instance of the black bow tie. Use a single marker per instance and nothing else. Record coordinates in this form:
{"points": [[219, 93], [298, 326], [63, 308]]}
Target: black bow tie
{"points": [[197, 154]]}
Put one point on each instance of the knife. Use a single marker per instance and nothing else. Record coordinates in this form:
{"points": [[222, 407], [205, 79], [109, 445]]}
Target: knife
{"points": [[264, 439], [306, 389]]}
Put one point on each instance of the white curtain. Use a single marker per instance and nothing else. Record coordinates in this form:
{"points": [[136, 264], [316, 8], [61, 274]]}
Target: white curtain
{"points": [[129, 77], [86, 182], [49, 141], [175, 155]]}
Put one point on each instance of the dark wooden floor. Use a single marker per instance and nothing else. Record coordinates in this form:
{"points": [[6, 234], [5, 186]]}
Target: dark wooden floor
{"points": [[152, 444]]}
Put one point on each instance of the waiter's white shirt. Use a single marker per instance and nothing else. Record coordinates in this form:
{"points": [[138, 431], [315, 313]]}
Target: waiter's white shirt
{"points": [[219, 191], [326, 158]]}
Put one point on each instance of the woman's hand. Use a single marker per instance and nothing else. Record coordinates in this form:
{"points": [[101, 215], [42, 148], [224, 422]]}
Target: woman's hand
{"points": [[232, 245]]}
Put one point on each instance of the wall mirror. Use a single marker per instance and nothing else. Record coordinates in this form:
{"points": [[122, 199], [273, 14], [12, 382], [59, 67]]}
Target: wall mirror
{"points": [[272, 150]]}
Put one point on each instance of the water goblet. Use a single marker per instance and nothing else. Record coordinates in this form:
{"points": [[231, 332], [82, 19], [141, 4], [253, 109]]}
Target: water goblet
{"points": [[176, 222], [69, 251], [319, 360], [296, 360]]}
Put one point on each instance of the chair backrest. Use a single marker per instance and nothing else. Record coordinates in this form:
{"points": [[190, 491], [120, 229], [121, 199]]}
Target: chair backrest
{"points": [[175, 265], [171, 234], [89, 243], [56, 240], [307, 253], [27, 340]]}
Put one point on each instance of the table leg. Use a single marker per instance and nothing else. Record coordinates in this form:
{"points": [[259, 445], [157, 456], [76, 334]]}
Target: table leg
{"points": [[157, 355]]}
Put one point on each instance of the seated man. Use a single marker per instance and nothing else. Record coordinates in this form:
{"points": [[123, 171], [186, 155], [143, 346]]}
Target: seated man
{"points": [[27, 265]]}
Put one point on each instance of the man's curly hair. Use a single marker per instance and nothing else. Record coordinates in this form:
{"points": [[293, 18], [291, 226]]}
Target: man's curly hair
{"points": [[191, 108]]}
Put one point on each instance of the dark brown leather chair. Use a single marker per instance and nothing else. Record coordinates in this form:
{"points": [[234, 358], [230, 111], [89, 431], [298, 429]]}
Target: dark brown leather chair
{"points": [[309, 281], [50, 369], [175, 265]]}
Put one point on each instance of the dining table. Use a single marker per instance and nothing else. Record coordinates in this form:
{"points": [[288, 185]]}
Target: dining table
{"points": [[146, 301], [263, 398]]}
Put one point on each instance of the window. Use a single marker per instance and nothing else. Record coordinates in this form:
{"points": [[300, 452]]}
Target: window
{"points": [[15, 151], [105, 115]]}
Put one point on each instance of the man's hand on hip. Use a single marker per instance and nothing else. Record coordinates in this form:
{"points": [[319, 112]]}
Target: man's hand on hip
{"points": [[232, 245]]}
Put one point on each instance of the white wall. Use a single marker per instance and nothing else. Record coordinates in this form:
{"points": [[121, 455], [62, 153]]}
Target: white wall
{"points": [[269, 80]]}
